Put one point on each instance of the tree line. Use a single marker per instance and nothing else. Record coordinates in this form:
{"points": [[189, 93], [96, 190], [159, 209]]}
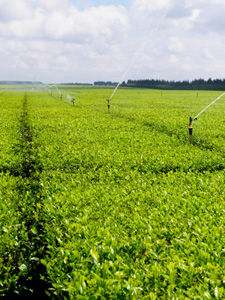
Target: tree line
{"points": [[196, 84], [105, 83]]}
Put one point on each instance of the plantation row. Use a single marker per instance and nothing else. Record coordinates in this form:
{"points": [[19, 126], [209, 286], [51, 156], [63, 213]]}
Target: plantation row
{"points": [[111, 206]]}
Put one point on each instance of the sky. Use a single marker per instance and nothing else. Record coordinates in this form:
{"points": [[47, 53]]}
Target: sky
{"points": [[57, 41]]}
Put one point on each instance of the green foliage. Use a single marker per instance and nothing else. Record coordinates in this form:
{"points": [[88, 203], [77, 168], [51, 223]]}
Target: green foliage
{"points": [[196, 84], [112, 206]]}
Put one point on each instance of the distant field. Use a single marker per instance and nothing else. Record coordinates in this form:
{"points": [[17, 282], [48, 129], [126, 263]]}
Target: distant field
{"points": [[119, 205]]}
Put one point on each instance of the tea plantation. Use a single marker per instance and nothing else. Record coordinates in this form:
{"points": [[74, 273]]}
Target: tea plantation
{"points": [[119, 205]]}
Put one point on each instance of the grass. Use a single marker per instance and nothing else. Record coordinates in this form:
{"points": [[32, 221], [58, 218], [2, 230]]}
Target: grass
{"points": [[120, 205]]}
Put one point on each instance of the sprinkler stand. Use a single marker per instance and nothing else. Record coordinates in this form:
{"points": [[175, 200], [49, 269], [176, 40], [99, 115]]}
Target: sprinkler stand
{"points": [[190, 129], [108, 105]]}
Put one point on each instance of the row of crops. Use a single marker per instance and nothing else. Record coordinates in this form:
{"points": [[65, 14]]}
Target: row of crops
{"points": [[111, 206]]}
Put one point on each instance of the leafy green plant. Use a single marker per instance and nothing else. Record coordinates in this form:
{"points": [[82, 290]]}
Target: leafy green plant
{"points": [[113, 206]]}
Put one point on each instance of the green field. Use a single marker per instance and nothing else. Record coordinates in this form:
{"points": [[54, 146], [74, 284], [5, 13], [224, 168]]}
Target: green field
{"points": [[119, 205]]}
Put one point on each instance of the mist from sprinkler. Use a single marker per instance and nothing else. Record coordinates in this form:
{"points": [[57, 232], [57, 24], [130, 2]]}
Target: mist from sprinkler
{"points": [[141, 49], [57, 89]]}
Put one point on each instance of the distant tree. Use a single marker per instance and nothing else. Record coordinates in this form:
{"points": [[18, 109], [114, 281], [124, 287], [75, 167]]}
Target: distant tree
{"points": [[196, 84]]}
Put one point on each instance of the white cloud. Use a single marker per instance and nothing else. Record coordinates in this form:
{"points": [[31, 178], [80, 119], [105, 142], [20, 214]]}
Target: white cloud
{"points": [[11, 10], [207, 54], [68, 24], [176, 45], [151, 5], [57, 41], [51, 4], [219, 2], [174, 59]]}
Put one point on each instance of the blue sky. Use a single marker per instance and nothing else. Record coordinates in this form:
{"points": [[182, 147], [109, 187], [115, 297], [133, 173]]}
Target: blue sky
{"points": [[90, 40]]}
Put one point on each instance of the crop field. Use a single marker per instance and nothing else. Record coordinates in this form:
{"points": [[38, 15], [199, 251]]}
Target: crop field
{"points": [[119, 205]]}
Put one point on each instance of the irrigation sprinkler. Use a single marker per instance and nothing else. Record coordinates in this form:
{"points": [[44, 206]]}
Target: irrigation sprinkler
{"points": [[73, 100], [195, 118], [61, 97], [108, 104], [190, 128]]}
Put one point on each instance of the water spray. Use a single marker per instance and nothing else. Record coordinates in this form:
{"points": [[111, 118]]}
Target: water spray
{"points": [[45, 87], [114, 91], [49, 88], [137, 55], [71, 99], [208, 106], [57, 90], [190, 128]]}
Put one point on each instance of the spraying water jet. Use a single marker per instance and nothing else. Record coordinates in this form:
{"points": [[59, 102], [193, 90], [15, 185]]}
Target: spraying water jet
{"points": [[195, 118], [155, 28]]}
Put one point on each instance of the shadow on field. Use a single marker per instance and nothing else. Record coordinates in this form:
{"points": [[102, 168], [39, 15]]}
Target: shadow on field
{"points": [[27, 277]]}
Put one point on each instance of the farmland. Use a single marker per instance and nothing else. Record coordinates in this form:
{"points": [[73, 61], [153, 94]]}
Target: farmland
{"points": [[119, 205]]}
